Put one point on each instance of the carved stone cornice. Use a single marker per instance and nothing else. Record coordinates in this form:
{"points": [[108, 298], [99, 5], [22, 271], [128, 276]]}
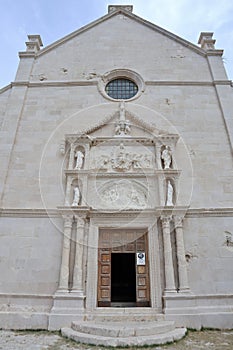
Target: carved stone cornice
{"points": [[127, 213], [76, 172], [174, 173], [207, 212], [28, 213], [48, 83], [76, 139], [184, 211], [123, 175], [128, 140], [167, 137], [171, 173], [188, 83], [79, 211]]}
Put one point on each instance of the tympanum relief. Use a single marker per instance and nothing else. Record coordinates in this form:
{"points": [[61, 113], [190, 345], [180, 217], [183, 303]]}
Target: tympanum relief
{"points": [[122, 159], [123, 194]]}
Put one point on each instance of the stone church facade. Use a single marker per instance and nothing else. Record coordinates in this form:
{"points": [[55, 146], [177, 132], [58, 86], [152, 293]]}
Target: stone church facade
{"points": [[116, 179]]}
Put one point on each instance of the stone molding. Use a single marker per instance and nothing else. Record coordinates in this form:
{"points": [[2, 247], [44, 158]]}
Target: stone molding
{"points": [[95, 83], [44, 213], [173, 296], [192, 296], [22, 295], [188, 83], [53, 83]]}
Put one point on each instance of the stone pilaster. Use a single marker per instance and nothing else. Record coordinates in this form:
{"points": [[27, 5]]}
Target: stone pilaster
{"points": [[71, 159], [182, 267], [169, 268], [64, 270], [78, 263]]}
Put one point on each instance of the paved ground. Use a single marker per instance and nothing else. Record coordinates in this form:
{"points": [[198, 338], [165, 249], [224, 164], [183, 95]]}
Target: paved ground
{"points": [[42, 340]]}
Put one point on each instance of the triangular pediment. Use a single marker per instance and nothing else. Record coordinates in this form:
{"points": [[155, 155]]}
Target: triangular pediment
{"points": [[137, 127], [132, 16]]}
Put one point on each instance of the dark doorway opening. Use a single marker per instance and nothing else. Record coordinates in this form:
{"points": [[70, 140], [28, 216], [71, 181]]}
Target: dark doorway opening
{"points": [[123, 278]]}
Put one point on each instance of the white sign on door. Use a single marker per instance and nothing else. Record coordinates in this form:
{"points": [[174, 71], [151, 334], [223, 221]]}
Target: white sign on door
{"points": [[141, 258]]}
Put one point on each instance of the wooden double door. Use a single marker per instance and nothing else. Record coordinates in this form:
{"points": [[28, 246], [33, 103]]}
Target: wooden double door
{"points": [[123, 269]]}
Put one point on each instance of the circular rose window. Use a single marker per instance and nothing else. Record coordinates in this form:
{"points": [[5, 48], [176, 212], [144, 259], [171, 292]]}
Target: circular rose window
{"points": [[121, 89], [121, 84]]}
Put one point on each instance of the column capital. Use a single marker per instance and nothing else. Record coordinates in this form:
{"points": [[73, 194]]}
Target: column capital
{"points": [[68, 221], [178, 221], [80, 220], [166, 219]]}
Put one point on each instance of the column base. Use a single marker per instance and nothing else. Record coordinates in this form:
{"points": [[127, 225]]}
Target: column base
{"points": [[62, 292], [78, 293], [184, 291], [67, 307], [169, 292]]}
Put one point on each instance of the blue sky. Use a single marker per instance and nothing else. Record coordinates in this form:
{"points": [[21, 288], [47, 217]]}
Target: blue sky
{"points": [[55, 19]]}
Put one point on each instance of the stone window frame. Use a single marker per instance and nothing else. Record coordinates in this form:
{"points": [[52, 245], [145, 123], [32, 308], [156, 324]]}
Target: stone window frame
{"points": [[121, 74]]}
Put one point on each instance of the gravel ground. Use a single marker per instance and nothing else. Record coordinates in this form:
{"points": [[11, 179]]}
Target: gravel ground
{"points": [[41, 340]]}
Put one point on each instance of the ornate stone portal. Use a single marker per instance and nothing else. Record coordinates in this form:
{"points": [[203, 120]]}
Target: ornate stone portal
{"points": [[119, 188]]}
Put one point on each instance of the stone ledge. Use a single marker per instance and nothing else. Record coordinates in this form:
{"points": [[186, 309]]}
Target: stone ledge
{"points": [[189, 213]]}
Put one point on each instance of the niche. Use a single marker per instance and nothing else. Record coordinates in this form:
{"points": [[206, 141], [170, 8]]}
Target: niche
{"points": [[79, 158]]}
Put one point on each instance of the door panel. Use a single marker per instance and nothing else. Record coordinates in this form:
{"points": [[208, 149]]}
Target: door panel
{"points": [[123, 244], [104, 278]]}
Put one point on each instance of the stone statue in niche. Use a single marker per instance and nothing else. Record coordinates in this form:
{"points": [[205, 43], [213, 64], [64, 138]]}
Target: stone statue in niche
{"points": [[79, 160], [170, 192], [76, 197], [166, 157]]}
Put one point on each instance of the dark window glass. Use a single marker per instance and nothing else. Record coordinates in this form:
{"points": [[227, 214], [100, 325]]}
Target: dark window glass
{"points": [[121, 89]]}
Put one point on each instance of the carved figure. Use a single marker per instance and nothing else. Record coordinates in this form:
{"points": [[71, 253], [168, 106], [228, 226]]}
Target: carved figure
{"points": [[122, 126], [103, 162], [122, 159], [137, 161], [170, 191], [80, 159], [166, 156], [76, 197], [111, 195], [147, 161]]}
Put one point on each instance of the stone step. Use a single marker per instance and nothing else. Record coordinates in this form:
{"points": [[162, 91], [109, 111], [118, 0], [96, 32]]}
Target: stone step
{"points": [[142, 340], [120, 329], [125, 314]]}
